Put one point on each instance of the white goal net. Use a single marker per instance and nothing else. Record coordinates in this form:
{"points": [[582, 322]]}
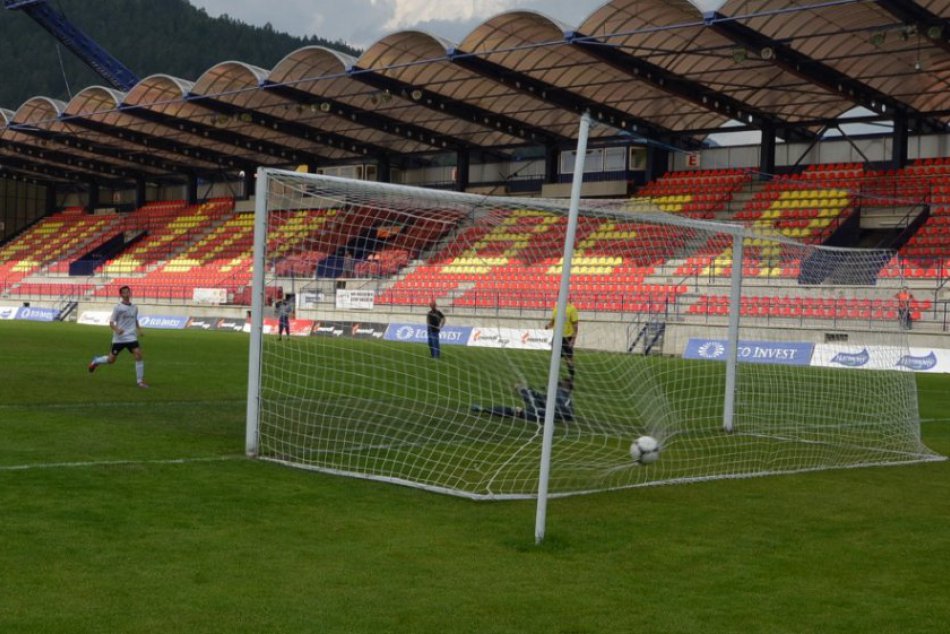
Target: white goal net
{"points": [[819, 375]]}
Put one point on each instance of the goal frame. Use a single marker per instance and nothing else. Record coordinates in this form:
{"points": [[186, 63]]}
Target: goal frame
{"points": [[353, 192]]}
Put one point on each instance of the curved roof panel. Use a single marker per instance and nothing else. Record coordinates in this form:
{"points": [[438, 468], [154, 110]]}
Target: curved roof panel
{"points": [[323, 74], [161, 101], [237, 84], [93, 99], [229, 77], [418, 60], [864, 42], [39, 111], [36, 131], [79, 118], [415, 59], [310, 62], [532, 44], [519, 78], [158, 89], [672, 36]]}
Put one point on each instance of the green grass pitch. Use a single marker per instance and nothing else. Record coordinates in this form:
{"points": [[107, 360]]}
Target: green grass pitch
{"points": [[126, 510]]}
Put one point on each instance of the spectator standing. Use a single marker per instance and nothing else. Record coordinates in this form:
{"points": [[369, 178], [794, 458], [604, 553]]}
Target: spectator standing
{"points": [[349, 265], [285, 312], [904, 306], [435, 319]]}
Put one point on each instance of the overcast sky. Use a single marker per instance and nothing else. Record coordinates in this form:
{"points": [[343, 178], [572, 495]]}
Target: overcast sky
{"points": [[362, 22]]}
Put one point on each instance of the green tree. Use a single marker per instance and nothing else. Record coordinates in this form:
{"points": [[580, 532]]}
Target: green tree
{"points": [[149, 37]]}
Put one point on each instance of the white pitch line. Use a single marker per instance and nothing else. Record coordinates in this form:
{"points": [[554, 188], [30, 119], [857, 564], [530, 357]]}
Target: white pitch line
{"points": [[113, 463], [124, 404]]}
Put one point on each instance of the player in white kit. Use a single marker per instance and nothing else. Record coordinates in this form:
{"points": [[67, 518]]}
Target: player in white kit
{"points": [[125, 336]]}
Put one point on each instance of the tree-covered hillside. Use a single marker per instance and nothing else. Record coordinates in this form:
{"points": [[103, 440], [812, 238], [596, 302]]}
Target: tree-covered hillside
{"points": [[148, 36]]}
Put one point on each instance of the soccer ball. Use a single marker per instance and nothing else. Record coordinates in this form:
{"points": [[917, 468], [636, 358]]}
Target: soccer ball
{"points": [[645, 450]]}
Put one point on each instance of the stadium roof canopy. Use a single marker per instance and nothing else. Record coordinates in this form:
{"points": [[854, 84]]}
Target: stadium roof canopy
{"points": [[655, 70]]}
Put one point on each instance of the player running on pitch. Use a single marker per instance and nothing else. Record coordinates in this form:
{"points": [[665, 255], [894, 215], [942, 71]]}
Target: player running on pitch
{"points": [[126, 331]]}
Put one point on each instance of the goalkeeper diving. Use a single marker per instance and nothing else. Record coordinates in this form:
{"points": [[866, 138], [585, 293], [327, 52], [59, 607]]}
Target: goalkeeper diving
{"points": [[535, 403]]}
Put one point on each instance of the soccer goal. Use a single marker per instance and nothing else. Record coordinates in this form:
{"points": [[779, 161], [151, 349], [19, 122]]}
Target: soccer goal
{"points": [[742, 351]]}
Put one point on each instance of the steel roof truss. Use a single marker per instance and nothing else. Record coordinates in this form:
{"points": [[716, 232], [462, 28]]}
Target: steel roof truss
{"points": [[687, 89], [35, 166], [560, 97], [458, 109], [118, 154], [286, 155], [933, 27], [64, 158], [150, 141], [382, 123], [290, 128], [819, 73]]}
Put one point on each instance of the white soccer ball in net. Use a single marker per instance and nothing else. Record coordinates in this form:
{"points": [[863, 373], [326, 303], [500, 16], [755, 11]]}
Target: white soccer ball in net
{"points": [[645, 450]]}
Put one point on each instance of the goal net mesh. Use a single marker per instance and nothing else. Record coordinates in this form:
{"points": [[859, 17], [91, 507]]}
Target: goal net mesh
{"points": [[822, 381]]}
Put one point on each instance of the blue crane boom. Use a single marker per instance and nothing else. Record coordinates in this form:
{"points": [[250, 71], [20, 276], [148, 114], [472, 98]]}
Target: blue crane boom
{"points": [[83, 46]]}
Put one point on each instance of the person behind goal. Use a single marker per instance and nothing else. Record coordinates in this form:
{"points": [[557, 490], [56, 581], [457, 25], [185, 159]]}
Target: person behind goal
{"points": [[569, 336]]}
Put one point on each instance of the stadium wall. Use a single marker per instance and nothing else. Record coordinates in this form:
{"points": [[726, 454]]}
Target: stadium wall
{"points": [[21, 204], [835, 150], [488, 177], [380, 323]]}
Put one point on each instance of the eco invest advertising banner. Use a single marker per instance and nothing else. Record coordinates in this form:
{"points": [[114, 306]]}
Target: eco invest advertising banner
{"points": [[155, 322], [417, 333], [37, 314], [768, 352], [163, 322]]}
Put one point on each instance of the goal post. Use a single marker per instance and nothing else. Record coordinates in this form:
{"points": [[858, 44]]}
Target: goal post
{"points": [[732, 338], [560, 316], [257, 316], [819, 376]]}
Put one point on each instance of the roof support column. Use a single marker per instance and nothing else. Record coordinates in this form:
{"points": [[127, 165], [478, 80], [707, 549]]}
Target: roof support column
{"points": [[139, 193], [463, 160], [899, 141], [383, 169], [92, 187], [50, 200], [551, 156], [191, 189], [658, 162], [249, 181], [767, 151]]}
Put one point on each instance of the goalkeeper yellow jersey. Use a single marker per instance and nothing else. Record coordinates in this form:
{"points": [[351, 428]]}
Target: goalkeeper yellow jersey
{"points": [[570, 323]]}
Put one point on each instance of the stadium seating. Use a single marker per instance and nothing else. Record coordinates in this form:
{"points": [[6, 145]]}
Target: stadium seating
{"points": [[699, 194], [782, 306], [508, 259], [489, 266], [51, 242], [927, 254], [169, 228]]}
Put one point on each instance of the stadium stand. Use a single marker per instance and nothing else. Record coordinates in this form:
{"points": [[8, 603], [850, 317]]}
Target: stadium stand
{"points": [[483, 264]]}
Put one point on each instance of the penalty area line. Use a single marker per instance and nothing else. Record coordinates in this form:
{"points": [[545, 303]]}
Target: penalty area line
{"points": [[115, 463]]}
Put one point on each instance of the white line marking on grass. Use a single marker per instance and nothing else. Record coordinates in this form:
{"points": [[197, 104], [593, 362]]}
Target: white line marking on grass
{"points": [[114, 463], [123, 404]]}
